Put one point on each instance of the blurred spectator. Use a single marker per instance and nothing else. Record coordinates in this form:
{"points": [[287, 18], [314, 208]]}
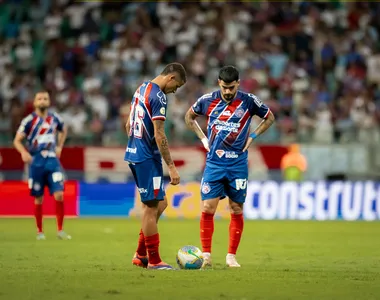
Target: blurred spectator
{"points": [[316, 65]]}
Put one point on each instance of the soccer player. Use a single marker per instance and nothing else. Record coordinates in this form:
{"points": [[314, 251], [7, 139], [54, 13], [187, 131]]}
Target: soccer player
{"points": [[229, 112], [42, 154], [147, 143]]}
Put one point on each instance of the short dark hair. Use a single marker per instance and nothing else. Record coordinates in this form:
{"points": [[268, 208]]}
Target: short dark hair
{"points": [[175, 68], [229, 74]]}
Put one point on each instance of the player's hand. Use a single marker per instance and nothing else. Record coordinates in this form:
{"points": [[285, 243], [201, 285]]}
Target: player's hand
{"points": [[174, 175], [26, 157], [247, 144], [205, 144], [58, 151]]}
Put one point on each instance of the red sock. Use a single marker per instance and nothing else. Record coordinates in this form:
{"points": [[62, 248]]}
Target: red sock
{"points": [[152, 243], [236, 229], [141, 248], [59, 211], [207, 230], [38, 216]]}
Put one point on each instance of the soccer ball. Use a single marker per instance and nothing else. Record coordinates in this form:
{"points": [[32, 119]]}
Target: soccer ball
{"points": [[189, 257]]}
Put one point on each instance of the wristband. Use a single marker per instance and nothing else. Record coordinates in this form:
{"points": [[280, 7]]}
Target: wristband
{"points": [[253, 135]]}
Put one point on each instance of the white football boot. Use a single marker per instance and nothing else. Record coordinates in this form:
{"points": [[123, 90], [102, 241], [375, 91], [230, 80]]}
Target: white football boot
{"points": [[41, 236], [207, 263], [63, 235], [231, 261]]}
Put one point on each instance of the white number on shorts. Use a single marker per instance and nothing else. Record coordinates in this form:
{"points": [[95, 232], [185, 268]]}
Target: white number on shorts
{"points": [[241, 184], [57, 176], [136, 121], [30, 183]]}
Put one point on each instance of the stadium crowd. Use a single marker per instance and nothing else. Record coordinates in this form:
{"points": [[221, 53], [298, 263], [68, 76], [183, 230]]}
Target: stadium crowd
{"points": [[316, 65]]}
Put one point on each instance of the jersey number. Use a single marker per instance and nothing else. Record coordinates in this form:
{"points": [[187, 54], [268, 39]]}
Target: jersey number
{"points": [[57, 177], [136, 123], [241, 184]]}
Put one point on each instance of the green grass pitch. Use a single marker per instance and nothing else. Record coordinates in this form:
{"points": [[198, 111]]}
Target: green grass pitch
{"points": [[280, 260]]}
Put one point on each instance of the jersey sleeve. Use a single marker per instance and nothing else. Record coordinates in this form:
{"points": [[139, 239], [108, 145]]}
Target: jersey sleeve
{"points": [[199, 107], [60, 122], [158, 105], [25, 126], [257, 107]]}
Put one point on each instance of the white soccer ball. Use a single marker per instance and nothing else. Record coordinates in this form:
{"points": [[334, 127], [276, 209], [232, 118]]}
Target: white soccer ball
{"points": [[189, 257]]}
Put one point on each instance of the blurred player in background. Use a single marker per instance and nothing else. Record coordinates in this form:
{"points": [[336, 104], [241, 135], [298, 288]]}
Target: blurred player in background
{"points": [[42, 154], [147, 143], [229, 112]]}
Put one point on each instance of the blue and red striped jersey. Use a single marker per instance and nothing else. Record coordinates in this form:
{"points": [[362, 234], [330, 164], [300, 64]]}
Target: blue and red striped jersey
{"points": [[148, 104], [40, 133], [229, 124]]}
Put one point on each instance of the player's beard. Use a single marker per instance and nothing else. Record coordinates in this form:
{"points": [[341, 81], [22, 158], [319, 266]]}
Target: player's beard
{"points": [[228, 97], [42, 108]]}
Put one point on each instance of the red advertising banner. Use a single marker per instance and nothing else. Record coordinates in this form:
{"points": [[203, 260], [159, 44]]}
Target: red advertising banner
{"points": [[72, 159], [108, 162], [15, 200]]}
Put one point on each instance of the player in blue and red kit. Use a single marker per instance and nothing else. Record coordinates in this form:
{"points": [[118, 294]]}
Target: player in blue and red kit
{"points": [[229, 112], [42, 153], [147, 145]]}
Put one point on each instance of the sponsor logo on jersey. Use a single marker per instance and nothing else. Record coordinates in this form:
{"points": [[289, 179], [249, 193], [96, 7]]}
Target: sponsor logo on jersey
{"points": [[231, 154], [220, 153], [161, 96], [46, 138], [132, 150], [226, 113], [206, 188], [239, 112], [226, 126], [227, 154], [45, 125]]}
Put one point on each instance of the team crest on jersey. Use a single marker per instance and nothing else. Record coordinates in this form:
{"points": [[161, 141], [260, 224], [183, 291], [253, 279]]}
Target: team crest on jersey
{"points": [[206, 188], [239, 112], [220, 153]]}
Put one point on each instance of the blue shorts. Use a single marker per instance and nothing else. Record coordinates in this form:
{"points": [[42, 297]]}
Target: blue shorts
{"points": [[149, 178], [47, 174], [220, 181]]}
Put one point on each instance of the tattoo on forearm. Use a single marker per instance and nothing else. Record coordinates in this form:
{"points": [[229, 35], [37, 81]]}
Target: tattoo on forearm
{"points": [[264, 125], [163, 146]]}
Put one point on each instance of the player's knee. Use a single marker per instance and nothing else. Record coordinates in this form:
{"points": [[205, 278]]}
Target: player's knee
{"points": [[58, 196], [209, 207], [38, 200], [236, 208]]}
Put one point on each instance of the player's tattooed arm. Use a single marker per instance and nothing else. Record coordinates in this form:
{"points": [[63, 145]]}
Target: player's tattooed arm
{"points": [[163, 146], [162, 141], [17, 143], [263, 126], [192, 124]]}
